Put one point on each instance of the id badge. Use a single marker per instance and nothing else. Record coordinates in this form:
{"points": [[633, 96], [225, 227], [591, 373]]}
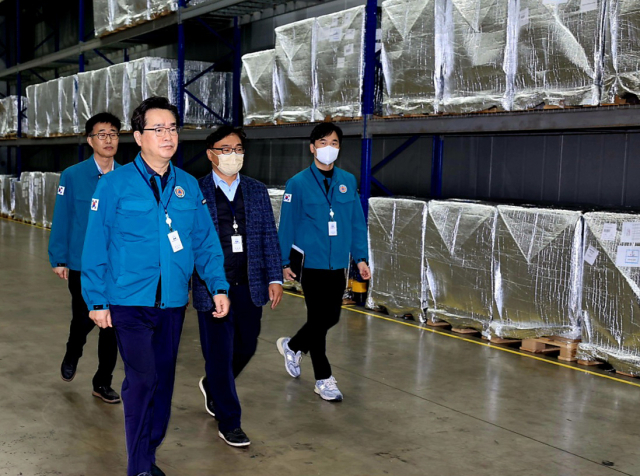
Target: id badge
{"points": [[333, 228], [236, 243], [174, 239]]}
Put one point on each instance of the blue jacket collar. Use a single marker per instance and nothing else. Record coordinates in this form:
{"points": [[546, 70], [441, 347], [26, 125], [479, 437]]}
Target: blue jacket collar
{"points": [[148, 171]]}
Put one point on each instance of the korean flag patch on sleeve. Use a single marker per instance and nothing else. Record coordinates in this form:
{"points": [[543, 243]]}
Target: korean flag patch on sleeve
{"points": [[94, 204], [287, 197], [60, 190]]}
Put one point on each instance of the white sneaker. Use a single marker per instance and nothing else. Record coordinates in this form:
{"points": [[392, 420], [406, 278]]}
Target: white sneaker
{"points": [[328, 390], [291, 359]]}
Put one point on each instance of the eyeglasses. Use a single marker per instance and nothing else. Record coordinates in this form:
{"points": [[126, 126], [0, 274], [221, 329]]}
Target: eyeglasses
{"points": [[228, 150], [162, 131], [103, 135]]}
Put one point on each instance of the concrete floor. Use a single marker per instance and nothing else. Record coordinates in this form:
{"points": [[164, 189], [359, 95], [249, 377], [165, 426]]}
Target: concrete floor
{"points": [[416, 403]]}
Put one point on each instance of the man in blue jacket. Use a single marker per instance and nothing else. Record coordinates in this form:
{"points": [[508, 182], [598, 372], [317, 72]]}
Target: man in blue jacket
{"points": [[241, 212], [322, 216], [148, 227], [70, 216]]}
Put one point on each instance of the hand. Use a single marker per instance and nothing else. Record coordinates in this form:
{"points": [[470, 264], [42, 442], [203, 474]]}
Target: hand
{"points": [[102, 318], [62, 272], [275, 294], [222, 305], [365, 272], [288, 275]]}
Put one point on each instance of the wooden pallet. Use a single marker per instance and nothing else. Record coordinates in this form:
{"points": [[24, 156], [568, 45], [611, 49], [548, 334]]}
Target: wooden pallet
{"points": [[589, 363], [547, 345], [465, 330], [499, 340], [625, 374], [442, 324]]}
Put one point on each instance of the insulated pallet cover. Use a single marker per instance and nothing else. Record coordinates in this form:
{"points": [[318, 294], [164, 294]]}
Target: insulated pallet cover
{"points": [[408, 56], [474, 52], [458, 250], [5, 195], [293, 72], [49, 102], [68, 99], [396, 253], [214, 89], [51, 182], [622, 61], [558, 46], [36, 197], [110, 92], [338, 65], [275, 195], [9, 115], [537, 263], [22, 211], [85, 98], [32, 125], [137, 71], [611, 291], [256, 86]]}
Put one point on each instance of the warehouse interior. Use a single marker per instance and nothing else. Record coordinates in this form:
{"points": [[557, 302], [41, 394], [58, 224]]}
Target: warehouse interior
{"points": [[493, 143]]}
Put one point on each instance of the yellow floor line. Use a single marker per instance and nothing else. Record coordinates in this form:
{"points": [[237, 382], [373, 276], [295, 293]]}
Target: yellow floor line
{"points": [[24, 223], [423, 328], [492, 346]]}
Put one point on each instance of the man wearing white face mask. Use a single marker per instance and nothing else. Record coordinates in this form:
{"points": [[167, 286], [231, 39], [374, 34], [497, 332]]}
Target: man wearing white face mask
{"points": [[241, 212], [321, 215]]}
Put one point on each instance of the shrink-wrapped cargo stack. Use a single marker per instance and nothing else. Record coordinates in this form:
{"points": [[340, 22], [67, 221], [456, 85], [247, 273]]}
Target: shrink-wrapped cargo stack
{"points": [[35, 186], [51, 181], [113, 15], [396, 255], [611, 291], [459, 250], [21, 204], [85, 98], [622, 58], [68, 99], [275, 195], [9, 115], [408, 57], [256, 87], [558, 48], [293, 81], [338, 46], [110, 92], [537, 263], [6, 206]]}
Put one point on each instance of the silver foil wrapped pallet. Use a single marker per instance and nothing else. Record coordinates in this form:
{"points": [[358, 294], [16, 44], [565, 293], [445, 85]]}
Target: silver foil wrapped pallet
{"points": [[611, 291], [68, 99], [32, 125], [113, 15], [459, 244], [338, 45], [409, 56], [537, 264], [21, 197], [6, 209], [556, 52], [51, 181], [293, 80], [85, 98], [474, 77], [396, 254], [256, 86], [622, 59], [9, 116], [36, 197], [275, 196]]}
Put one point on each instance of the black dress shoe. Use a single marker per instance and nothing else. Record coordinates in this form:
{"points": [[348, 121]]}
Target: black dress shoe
{"points": [[237, 438], [155, 471], [208, 401], [68, 369], [106, 394]]}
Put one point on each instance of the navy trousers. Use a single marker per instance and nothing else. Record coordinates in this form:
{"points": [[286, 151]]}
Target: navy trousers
{"points": [[227, 346], [148, 340]]}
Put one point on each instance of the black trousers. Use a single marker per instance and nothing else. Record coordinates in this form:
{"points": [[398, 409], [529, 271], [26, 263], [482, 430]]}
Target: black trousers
{"points": [[323, 290], [81, 325], [228, 343]]}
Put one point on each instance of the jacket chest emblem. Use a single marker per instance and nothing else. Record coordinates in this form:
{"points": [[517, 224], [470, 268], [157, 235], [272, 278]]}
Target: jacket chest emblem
{"points": [[179, 191]]}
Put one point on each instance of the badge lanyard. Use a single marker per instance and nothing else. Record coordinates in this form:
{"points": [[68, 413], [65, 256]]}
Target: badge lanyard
{"points": [[333, 225], [166, 214], [236, 238]]}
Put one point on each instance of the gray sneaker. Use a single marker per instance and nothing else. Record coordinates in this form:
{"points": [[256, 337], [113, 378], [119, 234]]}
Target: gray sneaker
{"points": [[291, 359], [328, 390]]}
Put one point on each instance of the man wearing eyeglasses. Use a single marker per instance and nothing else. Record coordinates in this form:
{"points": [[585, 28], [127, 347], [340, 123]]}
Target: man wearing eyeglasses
{"points": [[241, 212], [71, 212], [148, 227]]}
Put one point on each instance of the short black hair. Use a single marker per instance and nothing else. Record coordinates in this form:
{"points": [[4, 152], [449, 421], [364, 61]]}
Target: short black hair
{"points": [[325, 129], [105, 117], [138, 120], [222, 132]]}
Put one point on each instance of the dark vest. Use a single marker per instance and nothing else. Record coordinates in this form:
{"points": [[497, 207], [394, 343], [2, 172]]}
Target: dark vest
{"points": [[235, 264]]}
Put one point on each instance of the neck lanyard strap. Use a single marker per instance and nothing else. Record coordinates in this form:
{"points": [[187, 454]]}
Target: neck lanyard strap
{"points": [[324, 192]]}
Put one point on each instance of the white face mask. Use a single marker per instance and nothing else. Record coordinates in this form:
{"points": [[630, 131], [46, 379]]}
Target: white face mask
{"points": [[327, 155], [230, 164]]}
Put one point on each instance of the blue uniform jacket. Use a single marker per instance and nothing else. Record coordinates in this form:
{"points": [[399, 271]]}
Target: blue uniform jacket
{"points": [[263, 252], [304, 220], [71, 213], [127, 249]]}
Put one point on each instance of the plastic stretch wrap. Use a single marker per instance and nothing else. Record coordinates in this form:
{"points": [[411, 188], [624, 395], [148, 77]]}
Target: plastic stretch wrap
{"points": [[558, 47], [21, 204], [396, 254], [611, 291], [622, 67], [12, 198], [36, 196], [110, 92], [164, 83], [459, 250], [85, 98], [474, 77], [137, 71], [293, 80], [51, 181], [111, 15], [68, 98], [9, 115], [256, 86], [47, 109], [275, 195], [408, 56], [32, 129], [6, 208], [338, 63], [537, 262]]}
